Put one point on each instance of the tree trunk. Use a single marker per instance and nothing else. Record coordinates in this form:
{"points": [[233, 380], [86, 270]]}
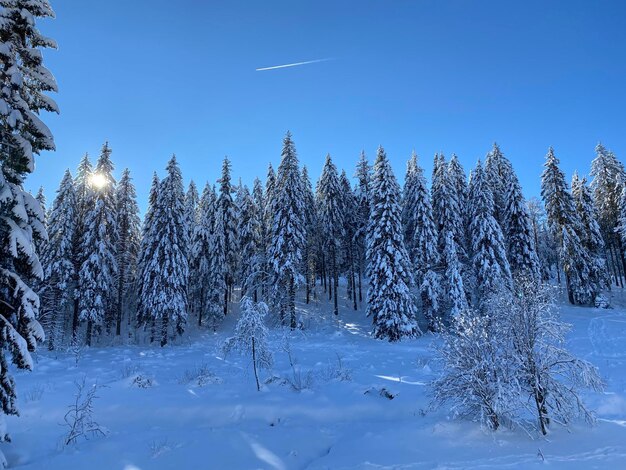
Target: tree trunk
{"points": [[89, 332], [256, 375], [164, 325], [292, 303], [75, 320]]}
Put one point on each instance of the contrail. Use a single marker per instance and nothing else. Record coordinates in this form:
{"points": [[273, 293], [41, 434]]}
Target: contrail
{"points": [[295, 64]]}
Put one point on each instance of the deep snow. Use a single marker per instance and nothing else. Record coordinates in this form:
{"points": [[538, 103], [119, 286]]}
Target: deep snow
{"points": [[223, 422]]}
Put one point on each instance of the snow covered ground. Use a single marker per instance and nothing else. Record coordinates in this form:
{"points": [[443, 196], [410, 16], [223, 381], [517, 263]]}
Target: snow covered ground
{"points": [[203, 411]]}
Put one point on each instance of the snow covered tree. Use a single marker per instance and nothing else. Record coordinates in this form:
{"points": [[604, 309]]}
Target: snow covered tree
{"points": [[454, 300], [362, 195], [488, 250], [228, 215], [201, 255], [96, 278], [25, 80], [172, 270], [425, 255], [249, 230], [591, 236], [457, 184], [288, 233], [127, 249], [389, 299], [350, 258], [549, 375], [251, 336], [310, 254], [408, 202], [608, 177], [191, 210], [146, 268], [59, 269], [216, 284], [258, 196], [566, 228], [520, 237], [498, 172], [331, 222], [478, 379]]}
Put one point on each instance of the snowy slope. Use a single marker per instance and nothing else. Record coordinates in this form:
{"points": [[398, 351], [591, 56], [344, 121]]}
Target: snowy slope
{"points": [[223, 422]]}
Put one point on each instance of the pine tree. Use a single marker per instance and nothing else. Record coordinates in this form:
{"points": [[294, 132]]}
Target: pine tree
{"points": [[259, 198], [591, 236], [228, 215], [84, 199], [520, 237], [331, 225], [608, 176], [59, 269], [146, 269], [362, 195], [408, 202], [425, 256], [390, 302], [457, 180], [249, 230], [566, 227], [25, 80], [488, 248], [191, 221], [99, 268], [498, 172], [200, 269], [310, 254], [127, 249], [218, 268], [349, 208], [268, 218], [171, 276], [288, 233]]}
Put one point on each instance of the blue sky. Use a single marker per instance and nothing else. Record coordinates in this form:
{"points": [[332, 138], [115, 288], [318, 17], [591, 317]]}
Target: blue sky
{"points": [[155, 78]]}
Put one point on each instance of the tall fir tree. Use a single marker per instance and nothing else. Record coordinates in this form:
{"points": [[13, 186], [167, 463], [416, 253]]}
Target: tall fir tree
{"points": [[331, 225], [127, 249], [498, 172], [425, 256], [566, 227], [249, 230], [218, 268], [228, 215], [389, 299], [362, 193], [350, 258], [608, 177], [59, 272], [191, 221], [310, 254], [288, 233], [408, 202], [489, 259], [25, 82], [96, 278], [591, 236], [171, 275], [520, 236]]}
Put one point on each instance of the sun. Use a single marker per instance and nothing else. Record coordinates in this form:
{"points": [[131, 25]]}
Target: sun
{"points": [[98, 180]]}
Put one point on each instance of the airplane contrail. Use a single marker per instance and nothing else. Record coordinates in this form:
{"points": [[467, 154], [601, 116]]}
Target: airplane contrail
{"points": [[295, 64]]}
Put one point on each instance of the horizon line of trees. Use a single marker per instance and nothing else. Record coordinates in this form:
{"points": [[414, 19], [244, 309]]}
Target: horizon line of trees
{"points": [[424, 253]]}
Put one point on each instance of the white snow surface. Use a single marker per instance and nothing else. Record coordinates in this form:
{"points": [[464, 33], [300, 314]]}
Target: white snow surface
{"points": [[219, 420]]}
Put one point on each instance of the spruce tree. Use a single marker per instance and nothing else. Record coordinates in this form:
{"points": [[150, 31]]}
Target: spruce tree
{"points": [[310, 254], [127, 249], [331, 225], [566, 228], [23, 134], [59, 269], [362, 195], [200, 269], [498, 172], [249, 230], [218, 268], [350, 258], [608, 176], [591, 236], [96, 278], [146, 268], [259, 198], [390, 302], [408, 202], [171, 276], [488, 248], [425, 256], [520, 236], [288, 233], [227, 209]]}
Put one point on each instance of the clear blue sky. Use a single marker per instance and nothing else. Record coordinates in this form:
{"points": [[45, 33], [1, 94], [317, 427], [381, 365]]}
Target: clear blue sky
{"points": [[161, 77]]}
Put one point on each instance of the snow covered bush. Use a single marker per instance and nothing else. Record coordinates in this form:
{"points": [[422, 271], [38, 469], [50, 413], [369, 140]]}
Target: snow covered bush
{"points": [[251, 336], [508, 363], [478, 378]]}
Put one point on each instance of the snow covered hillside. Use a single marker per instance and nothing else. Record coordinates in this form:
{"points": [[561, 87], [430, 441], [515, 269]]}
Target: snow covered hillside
{"points": [[343, 400]]}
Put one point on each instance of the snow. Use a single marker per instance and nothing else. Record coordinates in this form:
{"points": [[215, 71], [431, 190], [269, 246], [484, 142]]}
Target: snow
{"points": [[223, 422]]}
